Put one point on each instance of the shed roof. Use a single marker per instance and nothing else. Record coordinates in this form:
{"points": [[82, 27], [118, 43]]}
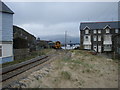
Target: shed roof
{"points": [[100, 25], [4, 8]]}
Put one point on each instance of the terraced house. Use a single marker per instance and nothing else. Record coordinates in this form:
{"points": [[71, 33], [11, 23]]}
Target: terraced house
{"points": [[6, 33], [98, 36], [116, 39]]}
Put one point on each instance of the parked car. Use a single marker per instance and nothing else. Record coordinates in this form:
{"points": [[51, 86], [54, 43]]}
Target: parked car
{"points": [[93, 52]]}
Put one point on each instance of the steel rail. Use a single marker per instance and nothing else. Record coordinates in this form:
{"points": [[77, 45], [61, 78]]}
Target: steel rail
{"points": [[14, 70]]}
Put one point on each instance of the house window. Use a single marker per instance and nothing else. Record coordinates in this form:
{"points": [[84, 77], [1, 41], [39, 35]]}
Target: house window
{"points": [[107, 47], [107, 30], [87, 46], [99, 31], [116, 30], [94, 47], [0, 51], [94, 38], [99, 38], [95, 31], [86, 31], [21, 34], [86, 38], [107, 38], [26, 38]]}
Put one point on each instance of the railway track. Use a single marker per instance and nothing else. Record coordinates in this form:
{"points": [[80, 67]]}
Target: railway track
{"points": [[14, 70]]}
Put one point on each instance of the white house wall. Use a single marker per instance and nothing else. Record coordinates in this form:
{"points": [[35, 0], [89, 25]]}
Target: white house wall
{"points": [[7, 27], [7, 50], [0, 26]]}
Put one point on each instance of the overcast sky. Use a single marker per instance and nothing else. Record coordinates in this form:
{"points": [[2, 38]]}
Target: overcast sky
{"points": [[48, 18]]}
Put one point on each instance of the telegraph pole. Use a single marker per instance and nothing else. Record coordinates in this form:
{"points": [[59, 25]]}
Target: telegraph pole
{"points": [[65, 39]]}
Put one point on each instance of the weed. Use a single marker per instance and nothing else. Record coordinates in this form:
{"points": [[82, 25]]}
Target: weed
{"points": [[101, 74], [83, 71], [88, 70], [66, 75]]}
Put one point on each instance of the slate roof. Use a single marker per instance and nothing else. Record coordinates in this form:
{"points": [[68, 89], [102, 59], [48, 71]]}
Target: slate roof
{"points": [[99, 25], [4, 8]]}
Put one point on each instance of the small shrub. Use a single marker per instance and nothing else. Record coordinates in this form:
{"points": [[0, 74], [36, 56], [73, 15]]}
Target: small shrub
{"points": [[88, 70], [65, 75], [83, 71]]}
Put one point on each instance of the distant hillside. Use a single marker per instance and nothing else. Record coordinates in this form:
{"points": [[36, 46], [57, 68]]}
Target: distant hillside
{"points": [[61, 38]]}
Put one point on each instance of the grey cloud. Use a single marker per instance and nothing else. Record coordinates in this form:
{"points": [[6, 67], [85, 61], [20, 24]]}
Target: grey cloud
{"points": [[43, 19], [49, 13]]}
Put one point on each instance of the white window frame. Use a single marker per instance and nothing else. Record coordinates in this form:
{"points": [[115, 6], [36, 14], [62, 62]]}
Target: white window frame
{"points": [[116, 30], [86, 39], [95, 47], [99, 31], [107, 37], [87, 47], [86, 31], [99, 38], [109, 46], [107, 30], [94, 31], [26, 37], [99, 48], [21, 34], [94, 38]]}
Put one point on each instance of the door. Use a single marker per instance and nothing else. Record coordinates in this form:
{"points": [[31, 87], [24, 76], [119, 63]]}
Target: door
{"points": [[99, 48]]}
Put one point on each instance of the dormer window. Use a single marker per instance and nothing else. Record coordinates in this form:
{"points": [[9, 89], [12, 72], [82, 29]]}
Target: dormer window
{"points": [[107, 30], [86, 31]]}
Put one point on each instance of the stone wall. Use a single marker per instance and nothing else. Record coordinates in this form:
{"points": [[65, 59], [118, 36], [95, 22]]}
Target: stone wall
{"points": [[20, 53]]}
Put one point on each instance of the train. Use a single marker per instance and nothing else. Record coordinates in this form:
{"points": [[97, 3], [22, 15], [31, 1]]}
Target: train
{"points": [[57, 45]]}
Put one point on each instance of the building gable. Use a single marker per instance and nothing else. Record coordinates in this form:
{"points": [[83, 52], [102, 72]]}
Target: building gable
{"points": [[5, 9], [86, 27], [107, 26]]}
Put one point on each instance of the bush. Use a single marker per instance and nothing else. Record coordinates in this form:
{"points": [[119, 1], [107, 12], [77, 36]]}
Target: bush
{"points": [[65, 75]]}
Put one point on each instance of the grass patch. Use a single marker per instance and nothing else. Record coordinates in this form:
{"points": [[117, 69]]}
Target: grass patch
{"points": [[32, 55], [74, 63], [66, 59], [82, 63], [17, 61], [65, 75]]}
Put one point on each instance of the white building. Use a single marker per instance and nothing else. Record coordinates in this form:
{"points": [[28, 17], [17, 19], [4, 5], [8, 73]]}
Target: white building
{"points": [[98, 36], [6, 33]]}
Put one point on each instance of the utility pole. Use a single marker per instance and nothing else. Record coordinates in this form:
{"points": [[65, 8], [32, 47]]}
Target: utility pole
{"points": [[65, 39]]}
